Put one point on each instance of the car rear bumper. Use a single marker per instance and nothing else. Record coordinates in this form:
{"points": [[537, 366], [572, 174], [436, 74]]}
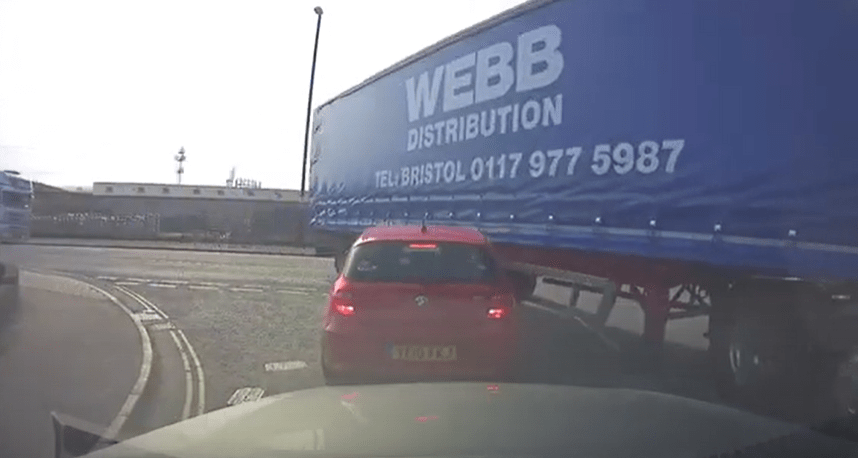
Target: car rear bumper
{"points": [[361, 355]]}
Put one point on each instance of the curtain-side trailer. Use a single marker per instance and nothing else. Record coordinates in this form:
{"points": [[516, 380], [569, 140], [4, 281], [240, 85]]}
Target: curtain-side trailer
{"points": [[700, 157]]}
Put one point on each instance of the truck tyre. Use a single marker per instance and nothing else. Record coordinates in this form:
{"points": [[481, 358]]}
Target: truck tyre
{"points": [[764, 358], [753, 353]]}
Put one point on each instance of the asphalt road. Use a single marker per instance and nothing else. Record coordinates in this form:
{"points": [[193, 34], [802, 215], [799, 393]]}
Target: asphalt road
{"points": [[228, 328], [63, 348]]}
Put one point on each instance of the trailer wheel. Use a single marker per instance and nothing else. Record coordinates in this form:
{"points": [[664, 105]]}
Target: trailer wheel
{"points": [[758, 351], [764, 357]]}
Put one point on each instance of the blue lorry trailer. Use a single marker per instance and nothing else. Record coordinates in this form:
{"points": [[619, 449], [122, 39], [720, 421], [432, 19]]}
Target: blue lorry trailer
{"points": [[699, 156]]}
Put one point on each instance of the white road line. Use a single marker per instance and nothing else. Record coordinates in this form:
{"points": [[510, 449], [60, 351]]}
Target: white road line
{"points": [[247, 394], [145, 302], [145, 369], [297, 288], [149, 316], [175, 282], [562, 313], [605, 340], [127, 283], [141, 280], [254, 286], [162, 285], [162, 327], [309, 290], [136, 297], [102, 277], [569, 314], [211, 283], [201, 378], [292, 291], [189, 378], [203, 288], [245, 290], [284, 366]]}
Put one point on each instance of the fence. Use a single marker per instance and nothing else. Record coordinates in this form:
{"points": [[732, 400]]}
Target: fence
{"points": [[285, 226], [90, 225]]}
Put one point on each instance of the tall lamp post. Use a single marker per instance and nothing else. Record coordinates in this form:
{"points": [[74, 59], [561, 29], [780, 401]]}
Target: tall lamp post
{"points": [[318, 11]]}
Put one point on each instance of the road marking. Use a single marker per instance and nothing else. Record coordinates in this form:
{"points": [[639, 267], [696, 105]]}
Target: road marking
{"points": [[247, 394], [175, 282], [245, 290], [126, 283], [149, 316], [147, 305], [189, 378], [201, 378], [210, 283], [102, 277], [292, 291], [145, 368], [162, 285], [297, 288], [284, 366], [134, 296], [254, 286], [203, 288], [566, 314], [140, 280], [162, 327], [605, 340]]}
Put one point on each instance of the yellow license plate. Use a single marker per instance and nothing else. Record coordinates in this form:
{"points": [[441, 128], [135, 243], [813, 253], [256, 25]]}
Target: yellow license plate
{"points": [[424, 352]]}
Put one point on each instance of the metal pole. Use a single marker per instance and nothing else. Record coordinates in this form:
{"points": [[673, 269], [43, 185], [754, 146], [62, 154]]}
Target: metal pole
{"points": [[318, 11], [180, 158]]}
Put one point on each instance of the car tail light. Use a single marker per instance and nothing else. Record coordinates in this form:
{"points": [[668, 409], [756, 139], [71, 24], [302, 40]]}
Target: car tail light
{"points": [[501, 306], [345, 309], [497, 313], [341, 302]]}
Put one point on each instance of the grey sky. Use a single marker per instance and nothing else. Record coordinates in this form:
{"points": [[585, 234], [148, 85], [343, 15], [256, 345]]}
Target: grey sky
{"points": [[108, 90]]}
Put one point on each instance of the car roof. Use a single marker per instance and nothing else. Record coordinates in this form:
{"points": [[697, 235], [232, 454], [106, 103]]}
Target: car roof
{"points": [[414, 233]]}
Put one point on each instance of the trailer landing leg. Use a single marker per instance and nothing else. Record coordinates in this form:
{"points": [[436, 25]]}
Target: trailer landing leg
{"points": [[606, 305], [655, 302]]}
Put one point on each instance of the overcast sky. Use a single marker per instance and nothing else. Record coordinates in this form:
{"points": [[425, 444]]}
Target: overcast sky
{"points": [[109, 90]]}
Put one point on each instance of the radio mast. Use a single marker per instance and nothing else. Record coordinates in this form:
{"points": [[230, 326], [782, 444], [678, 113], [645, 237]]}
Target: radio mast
{"points": [[180, 160]]}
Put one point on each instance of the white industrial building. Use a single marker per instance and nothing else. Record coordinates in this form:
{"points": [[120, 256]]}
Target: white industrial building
{"points": [[194, 191]]}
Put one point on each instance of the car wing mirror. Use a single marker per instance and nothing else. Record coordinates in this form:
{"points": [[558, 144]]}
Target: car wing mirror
{"points": [[74, 437]]}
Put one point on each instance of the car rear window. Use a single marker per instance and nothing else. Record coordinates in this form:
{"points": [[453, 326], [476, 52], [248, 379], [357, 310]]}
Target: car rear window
{"points": [[420, 262]]}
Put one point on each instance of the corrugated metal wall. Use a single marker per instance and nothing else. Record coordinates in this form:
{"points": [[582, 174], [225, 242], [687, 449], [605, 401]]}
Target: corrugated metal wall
{"points": [[61, 214]]}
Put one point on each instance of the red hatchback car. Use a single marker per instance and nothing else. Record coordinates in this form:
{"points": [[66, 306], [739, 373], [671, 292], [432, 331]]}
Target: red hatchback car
{"points": [[427, 302]]}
